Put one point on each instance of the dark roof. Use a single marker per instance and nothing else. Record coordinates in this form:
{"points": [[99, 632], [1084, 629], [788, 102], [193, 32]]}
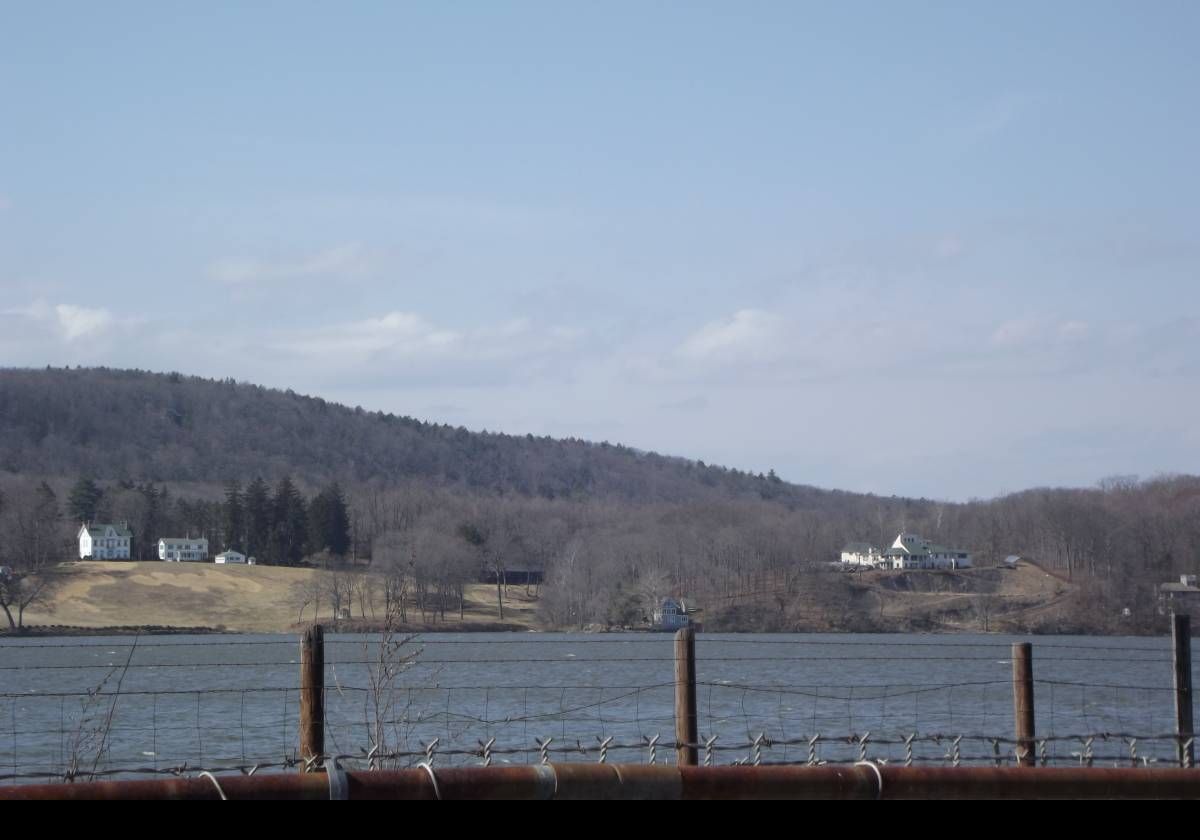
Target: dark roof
{"points": [[98, 529]]}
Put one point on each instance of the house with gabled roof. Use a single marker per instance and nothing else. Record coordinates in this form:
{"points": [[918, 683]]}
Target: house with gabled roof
{"points": [[910, 551], [671, 614], [105, 541], [183, 549]]}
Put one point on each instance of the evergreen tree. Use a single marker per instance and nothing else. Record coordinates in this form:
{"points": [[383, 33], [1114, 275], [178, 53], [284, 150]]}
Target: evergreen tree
{"points": [[166, 521], [289, 527], [318, 521], [147, 531], [234, 518], [329, 522], [338, 532], [257, 513], [84, 498]]}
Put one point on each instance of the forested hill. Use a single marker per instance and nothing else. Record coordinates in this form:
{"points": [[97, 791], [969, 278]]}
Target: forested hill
{"points": [[612, 528], [170, 427]]}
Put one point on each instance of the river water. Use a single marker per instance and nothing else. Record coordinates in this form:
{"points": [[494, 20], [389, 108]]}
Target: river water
{"points": [[149, 704]]}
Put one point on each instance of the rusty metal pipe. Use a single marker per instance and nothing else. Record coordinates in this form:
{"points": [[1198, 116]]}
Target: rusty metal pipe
{"points": [[1038, 783], [639, 781], [826, 782], [265, 786]]}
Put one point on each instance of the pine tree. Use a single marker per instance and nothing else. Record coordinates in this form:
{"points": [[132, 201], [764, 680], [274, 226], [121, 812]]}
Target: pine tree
{"points": [[234, 517], [329, 522], [289, 526], [318, 522], [145, 544], [257, 513], [84, 498], [338, 533]]}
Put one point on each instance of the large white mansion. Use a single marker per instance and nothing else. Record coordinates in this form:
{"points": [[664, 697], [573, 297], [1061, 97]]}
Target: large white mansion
{"points": [[909, 551], [104, 542]]}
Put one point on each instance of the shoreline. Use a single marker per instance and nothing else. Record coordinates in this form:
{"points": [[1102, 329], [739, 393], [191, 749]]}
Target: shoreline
{"points": [[352, 627]]}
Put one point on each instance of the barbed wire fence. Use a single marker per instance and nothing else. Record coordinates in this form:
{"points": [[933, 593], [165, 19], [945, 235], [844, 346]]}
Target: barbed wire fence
{"points": [[137, 707]]}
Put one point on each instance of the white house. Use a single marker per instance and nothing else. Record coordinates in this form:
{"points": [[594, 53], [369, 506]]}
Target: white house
{"points": [[230, 557], [182, 549], [862, 554], [671, 615], [105, 542], [910, 551]]}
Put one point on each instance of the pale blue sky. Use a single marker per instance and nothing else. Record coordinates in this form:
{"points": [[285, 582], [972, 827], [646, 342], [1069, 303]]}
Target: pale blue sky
{"points": [[922, 248]]}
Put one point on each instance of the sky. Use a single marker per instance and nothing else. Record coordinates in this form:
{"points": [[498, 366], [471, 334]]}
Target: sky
{"points": [[947, 250]]}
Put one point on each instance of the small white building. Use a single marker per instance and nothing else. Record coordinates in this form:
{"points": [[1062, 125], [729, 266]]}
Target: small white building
{"points": [[230, 557], [105, 541], [671, 615], [183, 549], [861, 554]]}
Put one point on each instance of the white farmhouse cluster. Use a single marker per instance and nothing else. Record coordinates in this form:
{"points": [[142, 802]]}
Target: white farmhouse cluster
{"points": [[104, 541], [909, 551]]}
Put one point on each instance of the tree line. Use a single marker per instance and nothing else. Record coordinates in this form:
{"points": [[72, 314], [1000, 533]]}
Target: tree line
{"points": [[280, 526], [608, 561]]}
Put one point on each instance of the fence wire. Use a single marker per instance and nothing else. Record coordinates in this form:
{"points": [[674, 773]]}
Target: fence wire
{"points": [[144, 707]]}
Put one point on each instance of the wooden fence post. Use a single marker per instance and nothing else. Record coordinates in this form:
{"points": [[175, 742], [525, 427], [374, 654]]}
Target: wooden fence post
{"points": [[686, 754], [312, 695], [1022, 659], [1182, 631]]}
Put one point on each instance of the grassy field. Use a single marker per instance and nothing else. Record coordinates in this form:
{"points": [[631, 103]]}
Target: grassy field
{"points": [[248, 599], [264, 599]]}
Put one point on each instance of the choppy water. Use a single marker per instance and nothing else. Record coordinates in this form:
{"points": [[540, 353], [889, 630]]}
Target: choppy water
{"points": [[221, 701]]}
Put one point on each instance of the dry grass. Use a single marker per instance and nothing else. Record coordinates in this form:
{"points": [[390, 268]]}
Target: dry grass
{"points": [[248, 599], [1013, 594]]}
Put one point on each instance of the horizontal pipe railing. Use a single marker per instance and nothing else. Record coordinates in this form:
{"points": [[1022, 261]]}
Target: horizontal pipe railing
{"points": [[626, 781]]}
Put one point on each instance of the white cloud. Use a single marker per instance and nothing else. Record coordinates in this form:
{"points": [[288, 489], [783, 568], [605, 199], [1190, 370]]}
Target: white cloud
{"points": [[748, 332], [411, 338], [821, 343], [383, 351], [350, 259], [403, 333], [69, 321], [76, 322]]}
